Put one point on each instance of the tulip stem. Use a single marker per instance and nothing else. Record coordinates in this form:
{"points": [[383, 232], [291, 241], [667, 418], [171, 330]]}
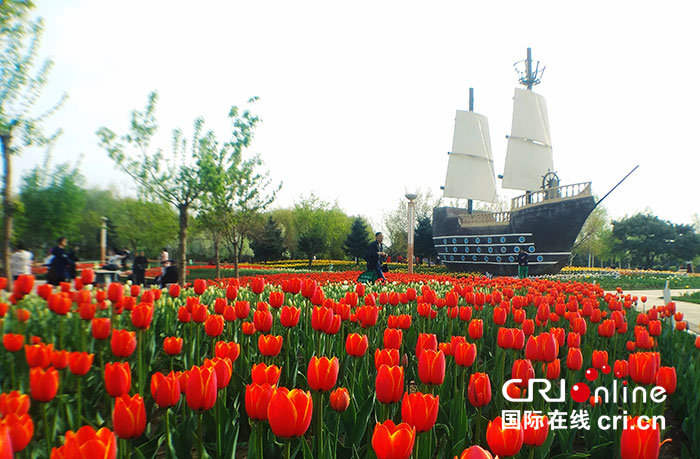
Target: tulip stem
{"points": [[46, 428], [140, 343], [168, 437], [200, 440], [288, 449], [218, 427], [80, 411], [12, 370], [319, 424]]}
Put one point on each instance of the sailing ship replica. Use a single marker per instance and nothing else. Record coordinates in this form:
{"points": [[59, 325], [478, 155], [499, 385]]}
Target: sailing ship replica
{"points": [[544, 221]]}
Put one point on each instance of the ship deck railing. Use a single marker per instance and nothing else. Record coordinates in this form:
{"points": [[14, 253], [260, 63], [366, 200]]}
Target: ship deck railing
{"points": [[551, 194], [533, 198]]}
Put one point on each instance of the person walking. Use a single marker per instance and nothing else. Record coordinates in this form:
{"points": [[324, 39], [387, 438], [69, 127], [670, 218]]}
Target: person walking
{"points": [[61, 263], [21, 261], [522, 263], [139, 268], [164, 260], [375, 256]]}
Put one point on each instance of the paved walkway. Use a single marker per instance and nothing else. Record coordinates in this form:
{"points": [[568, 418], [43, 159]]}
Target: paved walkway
{"points": [[691, 311]]}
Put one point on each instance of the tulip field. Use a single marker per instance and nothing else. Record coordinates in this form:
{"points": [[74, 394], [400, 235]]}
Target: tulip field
{"points": [[315, 365]]}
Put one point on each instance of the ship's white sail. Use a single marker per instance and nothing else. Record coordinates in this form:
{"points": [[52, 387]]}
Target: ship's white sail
{"points": [[470, 172], [529, 153]]}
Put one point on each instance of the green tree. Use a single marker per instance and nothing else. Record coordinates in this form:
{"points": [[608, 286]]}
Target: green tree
{"points": [[269, 245], [180, 179], [237, 191], [52, 203], [591, 240], [313, 240], [143, 225], [358, 239], [396, 221], [644, 238], [20, 88], [423, 242], [315, 220]]}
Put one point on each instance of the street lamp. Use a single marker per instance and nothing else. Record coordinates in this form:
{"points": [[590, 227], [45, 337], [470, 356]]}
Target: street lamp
{"points": [[103, 241], [411, 227]]}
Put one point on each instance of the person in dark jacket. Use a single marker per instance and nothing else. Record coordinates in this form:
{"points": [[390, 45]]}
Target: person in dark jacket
{"points": [[139, 268], [61, 264], [522, 263], [375, 256], [170, 276]]}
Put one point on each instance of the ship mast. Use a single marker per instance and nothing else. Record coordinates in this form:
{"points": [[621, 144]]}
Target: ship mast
{"points": [[470, 203], [529, 77]]}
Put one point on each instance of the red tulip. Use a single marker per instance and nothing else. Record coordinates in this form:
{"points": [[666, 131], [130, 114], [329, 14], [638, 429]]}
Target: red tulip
{"points": [[464, 354], [142, 315], [258, 285], [340, 399], [101, 328], [242, 309], [200, 392], [269, 345], [20, 430], [115, 292], [79, 363], [257, 400], [523, 370], [666, 378], [129, 416], [200, 285], [322, 373], [262, 321], [87, 444], [392, 338], [289, 412], [13, 342], [227, 349], [574, 359], [123, 342], [248, 328], [643, 367], [504, 442], [38, 355], [174, 291], [640, 439], [621, 369], [389, 384], [535, 432], [172, 345], [600, 358], [476, 329], [476, 452], [14, 403], [431, 367], [391, 441], [43, 384], [289, 316], [214, 325], [479, 389], [199, 313], [386, 357], [264, 374], [420, 410], [356, 345], [117, 378], [426, 341], [223, 368], [165, 389]]}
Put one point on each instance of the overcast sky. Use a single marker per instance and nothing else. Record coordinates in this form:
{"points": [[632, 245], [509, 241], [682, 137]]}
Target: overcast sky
{"points": [[358, 98]]}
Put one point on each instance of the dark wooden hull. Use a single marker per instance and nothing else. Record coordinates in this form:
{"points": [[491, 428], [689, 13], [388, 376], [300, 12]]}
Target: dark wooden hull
{"points": [[547, 230]]}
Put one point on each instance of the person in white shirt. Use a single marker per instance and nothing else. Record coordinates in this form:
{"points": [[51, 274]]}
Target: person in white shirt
{"points": [[21, 261], [164, 260]]}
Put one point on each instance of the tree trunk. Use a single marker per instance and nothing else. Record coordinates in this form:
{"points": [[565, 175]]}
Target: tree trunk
{"points": [[182, 245], [217, 260], [235, 257], [8, 207]]}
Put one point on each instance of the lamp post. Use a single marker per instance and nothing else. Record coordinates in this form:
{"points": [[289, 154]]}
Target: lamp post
{"points": [[411, 228], [103, 241]]}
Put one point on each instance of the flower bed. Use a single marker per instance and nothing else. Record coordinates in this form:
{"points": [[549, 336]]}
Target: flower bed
{"points": [[316, 366]]}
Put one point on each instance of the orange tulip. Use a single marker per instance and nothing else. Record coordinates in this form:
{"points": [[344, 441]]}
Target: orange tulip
{"points": [[38, 355], [504, 442], [322, 373], [142, 315], [87, 444], [420, 410], [59, 359], [475, 452], [43, 383], [289, 412], [227, 349], [214, 325], [172, 345], [391, 441], [117, 378], [129, 416]]}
